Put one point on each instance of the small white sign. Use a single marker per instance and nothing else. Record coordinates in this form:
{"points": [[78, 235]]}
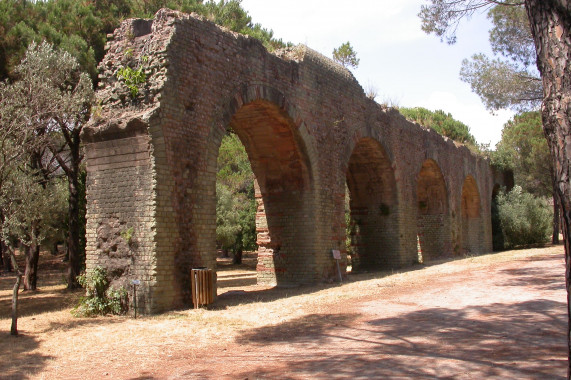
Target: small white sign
{"points": [[336, 254], [135, 282]]}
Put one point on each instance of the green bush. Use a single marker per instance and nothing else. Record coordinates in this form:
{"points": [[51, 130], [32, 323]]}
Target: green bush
{"points": [[133, 79], [441, 122], [524, 219], [99, 298]]}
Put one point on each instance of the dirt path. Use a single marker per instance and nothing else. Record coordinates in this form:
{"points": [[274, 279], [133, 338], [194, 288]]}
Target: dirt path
{"points": [[495, 316], [504, 320]]}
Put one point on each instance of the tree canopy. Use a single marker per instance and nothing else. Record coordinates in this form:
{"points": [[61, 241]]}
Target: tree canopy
{"points": [[50, 102], [524, 149], [510, 79], [346, 55], [442, 17], [441, 122], [81, 27]]}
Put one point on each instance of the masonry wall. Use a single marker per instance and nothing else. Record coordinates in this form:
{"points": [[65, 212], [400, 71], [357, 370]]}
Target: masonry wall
{"points": [[117, 226], [308, 129]]}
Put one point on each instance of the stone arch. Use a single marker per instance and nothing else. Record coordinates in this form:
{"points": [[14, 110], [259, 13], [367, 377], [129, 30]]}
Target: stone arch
{"points": [[433, 219], [471, 216], [276, 150], [373, 226], [153, 167]]}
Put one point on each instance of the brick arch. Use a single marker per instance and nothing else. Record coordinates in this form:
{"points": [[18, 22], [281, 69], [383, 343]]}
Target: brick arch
{"points": [[152, 162], [470, 198], [268, 136], [373, 206], [433, 219], [472, 230], [260, 116], [256, 103], [432, 195]]}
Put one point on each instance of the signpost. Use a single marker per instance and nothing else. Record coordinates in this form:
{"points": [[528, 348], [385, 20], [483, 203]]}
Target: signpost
{"points": [[337, 256], [135, 283]]}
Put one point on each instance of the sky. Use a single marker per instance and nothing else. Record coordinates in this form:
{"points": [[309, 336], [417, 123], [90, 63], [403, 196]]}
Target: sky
{"points": [[404, 65]]}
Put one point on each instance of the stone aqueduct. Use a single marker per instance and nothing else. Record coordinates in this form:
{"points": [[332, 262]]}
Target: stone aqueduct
{"points": [[309, 131]]}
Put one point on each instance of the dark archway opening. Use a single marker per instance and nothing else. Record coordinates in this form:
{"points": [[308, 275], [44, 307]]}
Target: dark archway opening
{"points": [[279, 164], [373, 219], [433, 222], [471, 219]]}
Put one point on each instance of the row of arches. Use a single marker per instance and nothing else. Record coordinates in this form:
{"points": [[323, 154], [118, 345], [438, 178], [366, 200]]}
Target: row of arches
{"points": [[285, 231], [374, 210]]}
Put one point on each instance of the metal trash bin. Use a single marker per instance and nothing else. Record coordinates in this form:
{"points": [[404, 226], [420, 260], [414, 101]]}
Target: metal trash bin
{"points": [[202, 286]]}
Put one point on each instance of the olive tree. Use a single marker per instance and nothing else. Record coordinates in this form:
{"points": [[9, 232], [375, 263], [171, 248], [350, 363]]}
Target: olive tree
{"points": [[56, 96], [15, 141]]}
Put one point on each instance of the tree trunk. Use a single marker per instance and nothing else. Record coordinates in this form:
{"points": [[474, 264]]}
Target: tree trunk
{"points": [[54, 251], [74, 266], [556, 213], [556, 221], [14, 326], [31, 271], [6, 260], [73, 245], [550, 22], [237, 259]]}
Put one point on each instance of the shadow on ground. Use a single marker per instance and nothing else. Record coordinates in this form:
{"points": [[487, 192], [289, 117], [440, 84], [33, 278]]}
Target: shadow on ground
{"points": [[522, 340], [17, 357], [18, 361], [235, 297], [536, 277], [38, 302], [51, 295]]}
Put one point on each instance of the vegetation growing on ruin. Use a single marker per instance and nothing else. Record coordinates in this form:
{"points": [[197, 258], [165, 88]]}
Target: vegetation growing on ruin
{"points": [[346, 55], [100, 298], [441, 122]]}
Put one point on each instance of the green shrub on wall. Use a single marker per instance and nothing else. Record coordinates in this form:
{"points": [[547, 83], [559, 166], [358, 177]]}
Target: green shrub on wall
{"points": [[100, 299], [524, 219]]}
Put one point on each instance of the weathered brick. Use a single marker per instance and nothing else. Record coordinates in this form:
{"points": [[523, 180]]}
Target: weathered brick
{"points": [[308, 129]]}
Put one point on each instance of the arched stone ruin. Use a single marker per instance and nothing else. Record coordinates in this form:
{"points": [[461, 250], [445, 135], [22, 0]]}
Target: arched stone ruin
{"points": [[308, 129]]}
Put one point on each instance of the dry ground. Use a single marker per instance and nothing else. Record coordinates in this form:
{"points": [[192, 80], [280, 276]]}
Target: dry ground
{"points": [[493, 316]]}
